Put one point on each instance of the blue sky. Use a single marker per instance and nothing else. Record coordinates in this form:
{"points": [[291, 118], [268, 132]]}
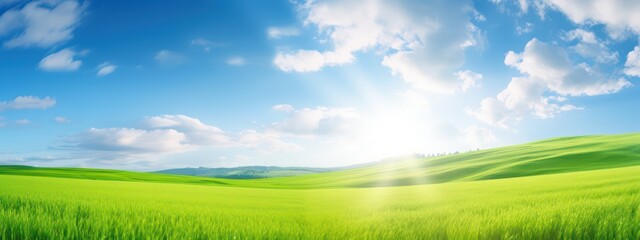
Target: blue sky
{"points": [[149, 85]]}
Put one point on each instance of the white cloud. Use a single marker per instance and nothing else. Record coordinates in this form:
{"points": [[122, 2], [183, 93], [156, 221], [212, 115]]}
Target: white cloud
{"points": [[423, 44], [105, 69], [132, 140], [617, 15], [516, 102], [478, 16], [551, 65], [524, 5], [317, 121], [9, 21], [236, 61], [493, 112], [547, 71], [300, 61], [41, 23], [60, 119], [196, 132], [526, 28], [283, 108], [521, 92], [23, 122], [599, 52], [61, 61], [526, 94], [582, 35], [469, 79], [173, 133], [589, 46], [28, 102], [278, 32], [632, 65], [205, 44], [166, 57]]}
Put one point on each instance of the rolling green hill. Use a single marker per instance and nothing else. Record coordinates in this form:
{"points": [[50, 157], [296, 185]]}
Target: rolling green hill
{"points": [[107, 174], [559, 155]]}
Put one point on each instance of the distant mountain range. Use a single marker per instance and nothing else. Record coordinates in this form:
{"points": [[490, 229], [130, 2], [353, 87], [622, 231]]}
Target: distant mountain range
{"points": [[252, 172], [247, 172]]}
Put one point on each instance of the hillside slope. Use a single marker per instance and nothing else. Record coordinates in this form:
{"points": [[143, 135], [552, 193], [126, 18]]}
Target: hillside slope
{"points": [[107, 174], [559, 155]]}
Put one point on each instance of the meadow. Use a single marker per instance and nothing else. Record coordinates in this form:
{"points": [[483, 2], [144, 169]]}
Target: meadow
{"points": [[559, 202]]}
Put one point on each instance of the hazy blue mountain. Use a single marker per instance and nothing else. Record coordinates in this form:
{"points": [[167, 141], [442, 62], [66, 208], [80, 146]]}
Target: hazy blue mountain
{"points": [[246, 172]]}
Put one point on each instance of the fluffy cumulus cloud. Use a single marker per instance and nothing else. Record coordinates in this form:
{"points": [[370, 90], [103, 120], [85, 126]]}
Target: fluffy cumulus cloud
{"points": [[132, 140], [632, 65], [61, 61], [424, 45], [196, 132], [550, 64], [282, 108], [173, 134], [469, 79], [523, 96], [547, 71], [319, 121], [590, 47], [301, 61], [105, 69], [619, 16], [41, 23], [28, 102], [493, 112]]}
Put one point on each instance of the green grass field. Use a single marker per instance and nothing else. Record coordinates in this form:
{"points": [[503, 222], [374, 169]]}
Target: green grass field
{"points": [[568, 188]]}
